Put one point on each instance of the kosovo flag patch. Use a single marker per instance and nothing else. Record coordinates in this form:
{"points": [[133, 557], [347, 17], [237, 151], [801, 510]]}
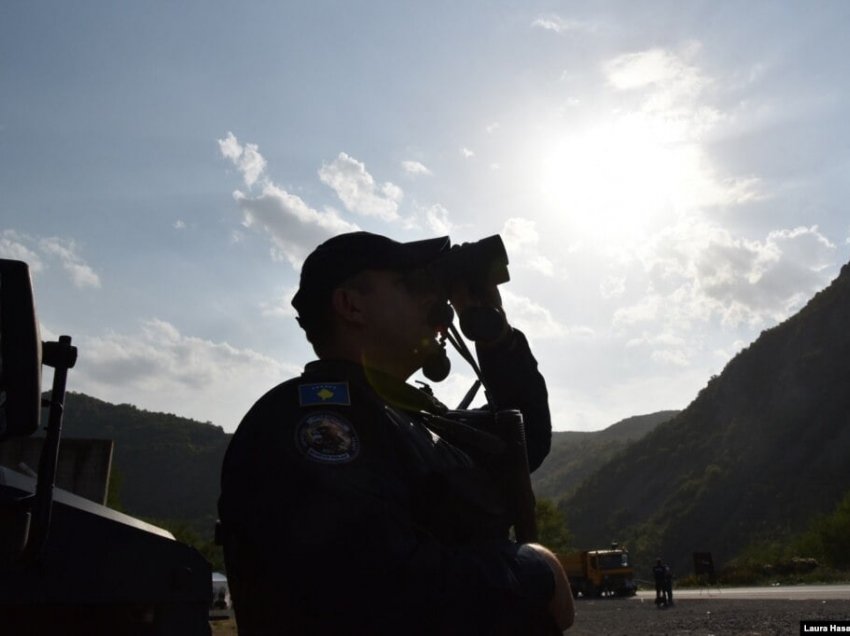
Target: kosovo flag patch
{"points": [[324, 393]]}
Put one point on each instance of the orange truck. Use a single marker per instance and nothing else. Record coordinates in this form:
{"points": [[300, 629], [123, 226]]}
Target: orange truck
{"points": [[595, 573]]}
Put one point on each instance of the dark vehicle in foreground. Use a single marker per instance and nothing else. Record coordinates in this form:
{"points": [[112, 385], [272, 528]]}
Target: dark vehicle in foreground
{"points": [[69, 565]]}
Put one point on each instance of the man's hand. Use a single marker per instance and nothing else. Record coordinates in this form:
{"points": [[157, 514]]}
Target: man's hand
{"points": [[462, 297], [480, 313], [561, 606]]}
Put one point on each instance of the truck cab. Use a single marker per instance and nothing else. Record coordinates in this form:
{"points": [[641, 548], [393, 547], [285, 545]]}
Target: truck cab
{"points": [[603, 572]]}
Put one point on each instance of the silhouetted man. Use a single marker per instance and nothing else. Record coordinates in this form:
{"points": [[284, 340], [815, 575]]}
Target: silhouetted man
{"points": [[345, 508]]}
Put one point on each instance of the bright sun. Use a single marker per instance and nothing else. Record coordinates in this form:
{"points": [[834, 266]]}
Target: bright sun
{"points": [[618, 179]]}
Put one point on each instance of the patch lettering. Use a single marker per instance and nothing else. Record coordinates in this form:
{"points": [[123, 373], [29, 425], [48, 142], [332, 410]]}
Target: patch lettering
{"points": [[324, 393], [327, 437]]}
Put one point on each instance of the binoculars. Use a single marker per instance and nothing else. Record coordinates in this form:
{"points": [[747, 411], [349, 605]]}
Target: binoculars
{"points": [[479, 264]]}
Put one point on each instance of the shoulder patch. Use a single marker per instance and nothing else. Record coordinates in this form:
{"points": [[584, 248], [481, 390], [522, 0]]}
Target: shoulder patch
{"points": [[326, 437], [324, 393]]}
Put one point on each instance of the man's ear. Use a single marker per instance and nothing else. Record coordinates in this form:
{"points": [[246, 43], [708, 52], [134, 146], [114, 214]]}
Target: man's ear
{"points": [[347, 303]]}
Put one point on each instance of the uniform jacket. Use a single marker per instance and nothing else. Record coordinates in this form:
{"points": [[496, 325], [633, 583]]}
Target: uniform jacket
{"points": [[344, 511]]}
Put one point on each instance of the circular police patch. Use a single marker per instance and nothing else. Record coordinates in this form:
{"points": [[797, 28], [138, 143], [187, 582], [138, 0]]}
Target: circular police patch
{"points": [[327, 437]]}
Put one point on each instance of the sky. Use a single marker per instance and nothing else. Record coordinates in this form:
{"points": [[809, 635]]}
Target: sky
{"points": [[670, 179]]}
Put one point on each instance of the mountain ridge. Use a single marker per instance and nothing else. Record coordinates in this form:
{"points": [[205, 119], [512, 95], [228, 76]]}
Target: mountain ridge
{"points": [[577, 454], [757, 454]]}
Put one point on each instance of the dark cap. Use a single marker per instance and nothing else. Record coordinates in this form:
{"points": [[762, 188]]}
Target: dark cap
{"points": [[343, 256]]}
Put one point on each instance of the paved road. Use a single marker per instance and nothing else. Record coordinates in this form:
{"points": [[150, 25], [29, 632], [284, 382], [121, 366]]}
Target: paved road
{"points": [[778, 592]]}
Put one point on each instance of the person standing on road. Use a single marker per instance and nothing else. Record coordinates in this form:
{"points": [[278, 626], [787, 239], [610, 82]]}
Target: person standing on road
{"points": [[659, 573], [350, 503], [668, 584]]}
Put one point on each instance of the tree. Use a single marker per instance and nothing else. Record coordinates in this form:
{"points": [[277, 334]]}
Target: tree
{"points": [[828, 537], [184, 533], [552, 529]]}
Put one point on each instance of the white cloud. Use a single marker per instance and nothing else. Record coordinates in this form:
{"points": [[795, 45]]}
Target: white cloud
{"points": [[281, 307], [293, 226], [179, 224], [467, 153], [762, 281], [697, 272], [12, 247], [674, 357], [535, 320], [519, 233], [726, 354], [358, 191], [665, 348], [80, 273], [415, 168], [656, 339], [656, 67], [670, 82], [167, 371], [438, 221], [433, 218], [541, 264], [38, 253], [522, 244], [645, 310], [557, 24], [612, 286], [670, 88], [247, 158]]}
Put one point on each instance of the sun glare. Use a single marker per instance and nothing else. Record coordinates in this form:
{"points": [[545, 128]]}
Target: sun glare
{"points": [[618, 179]]}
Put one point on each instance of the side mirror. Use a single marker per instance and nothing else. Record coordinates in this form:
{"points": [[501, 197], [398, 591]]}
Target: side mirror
{"points": [[20, 352]]}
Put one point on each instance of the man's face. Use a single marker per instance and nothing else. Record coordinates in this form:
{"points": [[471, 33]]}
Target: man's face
{"points": [[395, 320]]}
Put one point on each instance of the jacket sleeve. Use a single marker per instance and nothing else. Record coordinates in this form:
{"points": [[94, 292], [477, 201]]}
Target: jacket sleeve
{"points": [[510, 370], [331, 544]]}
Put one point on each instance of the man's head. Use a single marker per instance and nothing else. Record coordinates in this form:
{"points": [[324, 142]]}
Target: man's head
{"points": [[362, 291]]}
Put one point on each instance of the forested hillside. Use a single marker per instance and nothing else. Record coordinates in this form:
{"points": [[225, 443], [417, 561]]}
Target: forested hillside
{"points": [[575, 455], [758, 454], [166, 467]]}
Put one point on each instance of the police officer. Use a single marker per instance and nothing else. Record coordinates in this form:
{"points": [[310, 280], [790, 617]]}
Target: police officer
{"points": [[350, 504]]}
